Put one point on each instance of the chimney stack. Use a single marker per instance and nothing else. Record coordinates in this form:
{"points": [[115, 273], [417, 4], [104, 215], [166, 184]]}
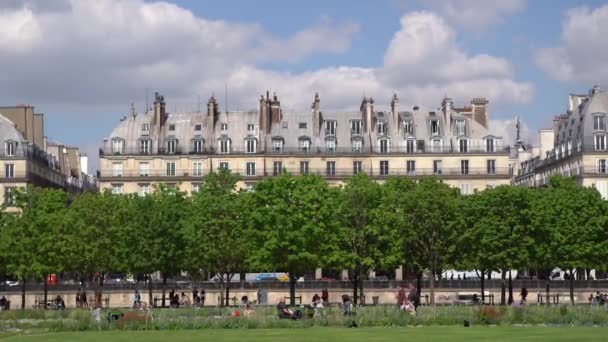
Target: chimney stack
{"points": [[395, 113], [316, 116], [479, 107], [160, 115], [367, 110]]}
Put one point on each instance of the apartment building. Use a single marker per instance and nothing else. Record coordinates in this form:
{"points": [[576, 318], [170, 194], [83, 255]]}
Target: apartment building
{"points": [[574, 146], [180, 148]]}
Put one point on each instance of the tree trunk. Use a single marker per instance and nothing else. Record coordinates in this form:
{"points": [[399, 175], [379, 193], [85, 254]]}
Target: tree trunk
{"points": [[502, 288], [361, 298], [548, 290], [432, 286], [23, 294], [292, 289], [164, 289], [227, 291], [418, 289], [571, 287], [46, 292], [510, 289], [483, 288], [150, 299], [355, 280]]}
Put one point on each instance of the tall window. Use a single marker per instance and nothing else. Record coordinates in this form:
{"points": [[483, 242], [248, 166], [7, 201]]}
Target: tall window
{"points": [[355, 127], [117, 189], [251, 145], [145, 146], [601, 166], [436, 145], [198, 145], [144, 189], [116, 169], [224, 146], [9, 170], [331, 146], [463, 145], [464, 167], [410, 146], [490, 145], [171, 146], [331, 168], [600, 142], [384, 146], [224, 166], [599, 123], [250, 169], [304, 145], [144, 169], [304, 167], [356, 167], [435, 127], [384, 168], [277, 168], [381, 127], [465, 188], [357, 145], [460, 127], [330, 127], [408, 128], [9, 195], [437, 167], [9, 148], [118, 146], [277, 145], [491, 166], [197, 168], [170, 168], [411, 167]]}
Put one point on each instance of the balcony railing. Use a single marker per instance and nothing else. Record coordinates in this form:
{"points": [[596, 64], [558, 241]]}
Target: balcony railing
{"points": [[109, 175]]}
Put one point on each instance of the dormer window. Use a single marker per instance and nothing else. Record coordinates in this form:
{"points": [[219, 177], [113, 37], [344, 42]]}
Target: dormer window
{"points": [[384, 145], [460, 127], [435, 127], [145, 128], [224, 127], [277, 144], [118, 146], [251, 129], [355, 127], [490, 145], [330, 145], [381, 127], [198, 127], [172, 146], [197, 145], [251, 145], [330, 127], [463, 145], [357, 145], [408, 127], [304, 143], [599, 123], [172, 127], [9, 148], [600, 142], [145, 146], [410, 146], [224, 146]]}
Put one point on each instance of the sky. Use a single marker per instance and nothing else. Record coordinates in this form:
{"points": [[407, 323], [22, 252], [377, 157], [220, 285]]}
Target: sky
{"points": [[83, 63]]}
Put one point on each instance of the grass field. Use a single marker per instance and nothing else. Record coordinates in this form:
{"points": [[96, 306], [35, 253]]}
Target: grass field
{"points": [[423, 334]]}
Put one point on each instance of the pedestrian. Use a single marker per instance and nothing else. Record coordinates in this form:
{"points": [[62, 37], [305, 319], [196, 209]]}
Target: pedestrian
{"points": [[325, 296], [78, 304], [346, 305], [413, 297], [401, 297], [523, 295], [83, 299], [202, 297], [136, 300]]}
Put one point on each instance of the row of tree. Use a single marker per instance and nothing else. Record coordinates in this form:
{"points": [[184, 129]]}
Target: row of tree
{"points": [[297, 224]]}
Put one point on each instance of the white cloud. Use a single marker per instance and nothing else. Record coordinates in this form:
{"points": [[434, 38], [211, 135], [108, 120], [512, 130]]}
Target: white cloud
{"points": [[475, 15], [580, 56]]}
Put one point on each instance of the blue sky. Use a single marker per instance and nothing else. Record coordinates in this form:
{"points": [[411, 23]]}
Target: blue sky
{"points": [[518, 53]]}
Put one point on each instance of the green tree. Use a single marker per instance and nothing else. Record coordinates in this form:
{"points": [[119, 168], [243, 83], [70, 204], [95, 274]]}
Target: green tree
{"points": [[289, 218]]}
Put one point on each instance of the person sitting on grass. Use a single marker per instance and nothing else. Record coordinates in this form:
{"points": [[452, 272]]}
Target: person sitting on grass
{"points": [[185, 301], [285, 313], [59, 303], [346, 305]]}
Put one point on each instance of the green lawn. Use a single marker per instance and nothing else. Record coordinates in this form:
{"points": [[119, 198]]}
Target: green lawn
{"points": [[423, 334]]}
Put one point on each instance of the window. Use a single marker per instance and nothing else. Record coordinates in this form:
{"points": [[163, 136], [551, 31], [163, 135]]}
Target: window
{"points": [[277, 145], [171, 146], [356, 167], [224, 166], [171, 127], [143, 190], [170, 168], [330, 127], [117, 189], [9, 148], [9, 170], [384, 146], [331, 146], [355, 127], [491, 166], [251, 145], [357, 145], [304, 167], [381, 127], [250, 169], [304, 145], [197, 168], [9, 195], [437, 167], [600, 142], [435, 127], [465, 189], [224, 127], [463, 145], [331, 168], [601, 166], [384, 168], [490, 145], [436, 145], [284, 125], [277, 168], [145, 127], [144, 169], [224, 146], [460, 127], [302, 125], [410, 146], [251, 128], [408, 127], [198, 145], [145, 146], [464, 167], [599, 123], [118, 146], [411, 167], [116, 169], [198, 127], [196, 187]]}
